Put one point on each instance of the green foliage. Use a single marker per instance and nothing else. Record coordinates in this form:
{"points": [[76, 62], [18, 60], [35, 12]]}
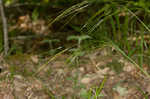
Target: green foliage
{"points": [[146, 96], [93, 93], [79, 39], [51, 42], [8, 2], [129, 58], [35, 14], [110, 20], [76, 53], [15, 49], [115, 20]]}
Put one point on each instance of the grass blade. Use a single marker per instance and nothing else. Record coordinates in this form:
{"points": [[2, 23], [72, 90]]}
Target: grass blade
{"points": [[130, 59]]}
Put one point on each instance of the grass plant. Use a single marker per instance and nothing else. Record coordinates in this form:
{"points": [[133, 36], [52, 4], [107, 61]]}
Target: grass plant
{"points": [[114, 23]]}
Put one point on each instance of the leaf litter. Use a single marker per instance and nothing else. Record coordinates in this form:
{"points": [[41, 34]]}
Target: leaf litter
{"points": [[59, 79]]}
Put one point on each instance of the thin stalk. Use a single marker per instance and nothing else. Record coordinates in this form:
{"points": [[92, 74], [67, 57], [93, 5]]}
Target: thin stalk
{"points": [[5, 28], [130, 59]]}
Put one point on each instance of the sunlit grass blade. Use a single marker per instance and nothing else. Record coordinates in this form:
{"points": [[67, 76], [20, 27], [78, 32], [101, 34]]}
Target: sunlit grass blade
{"points": [[114, 28], [68, 21], [50, 60], [99, 90], [139, 19], [98, 13], [146, 96], [108, 15], [128, 58], [71, 10], [141, 47]]}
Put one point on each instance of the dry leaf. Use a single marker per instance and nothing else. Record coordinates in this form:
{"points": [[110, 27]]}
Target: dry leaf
{"points": [[35, 59]]}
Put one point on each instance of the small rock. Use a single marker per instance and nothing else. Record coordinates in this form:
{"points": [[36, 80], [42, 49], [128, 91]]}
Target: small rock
{"points": [[129, 68], [60, 72], [81, 69], [19, 77], [102, 71], [35, 59], [86, 80], [112, 73]]}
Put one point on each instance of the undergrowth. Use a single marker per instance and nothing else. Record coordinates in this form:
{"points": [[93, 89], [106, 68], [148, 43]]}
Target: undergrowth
{"points": [[121, 25], [121, 22]]}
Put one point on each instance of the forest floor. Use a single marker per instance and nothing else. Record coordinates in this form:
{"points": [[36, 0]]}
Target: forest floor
{"points": [[100, 74]]}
